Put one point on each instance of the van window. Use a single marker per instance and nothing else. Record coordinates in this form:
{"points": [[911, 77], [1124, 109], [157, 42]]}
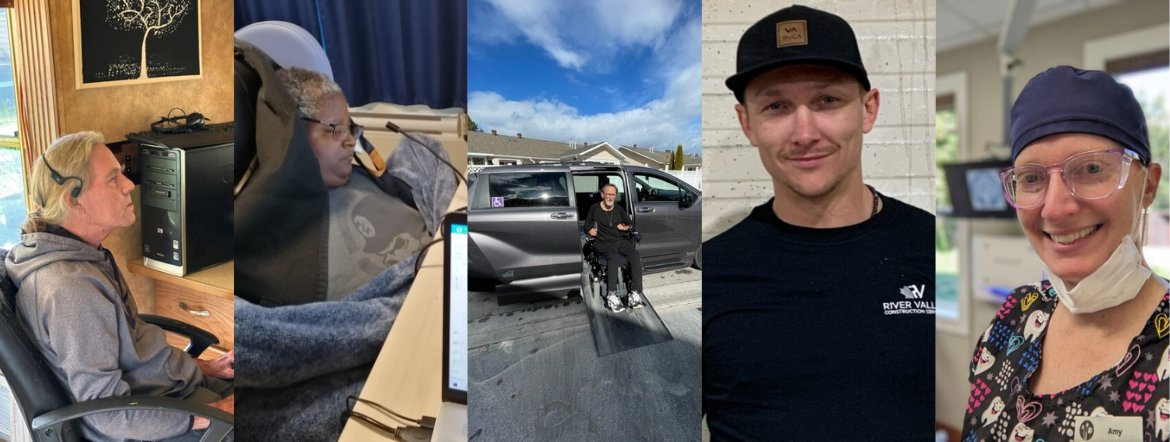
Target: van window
{"points": [[588, 189], [654, 188], [540, 189]]}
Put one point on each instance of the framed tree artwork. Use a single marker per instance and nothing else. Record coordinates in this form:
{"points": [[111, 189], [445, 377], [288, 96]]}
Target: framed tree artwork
{"points": [[122, 42]]}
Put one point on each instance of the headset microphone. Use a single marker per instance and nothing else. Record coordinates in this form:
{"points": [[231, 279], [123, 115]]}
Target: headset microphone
{"points": [[76, 191]]}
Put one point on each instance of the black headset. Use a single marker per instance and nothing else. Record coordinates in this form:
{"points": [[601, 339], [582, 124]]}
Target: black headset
{"points": [[61, 179], [184, 123]]}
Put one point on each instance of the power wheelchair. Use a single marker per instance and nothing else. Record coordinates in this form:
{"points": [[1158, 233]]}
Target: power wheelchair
{"points": [[598, 268]]}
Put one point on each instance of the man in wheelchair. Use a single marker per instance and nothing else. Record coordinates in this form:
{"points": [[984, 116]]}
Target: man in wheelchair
{"points": [[611, 225]]}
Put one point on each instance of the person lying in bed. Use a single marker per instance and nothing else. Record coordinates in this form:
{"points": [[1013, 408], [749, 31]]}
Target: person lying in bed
{"points": [[368, 230], [296, 386]]}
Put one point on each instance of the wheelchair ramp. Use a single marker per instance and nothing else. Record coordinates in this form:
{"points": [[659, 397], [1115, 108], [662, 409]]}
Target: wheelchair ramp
{"points": [[625, 330]]}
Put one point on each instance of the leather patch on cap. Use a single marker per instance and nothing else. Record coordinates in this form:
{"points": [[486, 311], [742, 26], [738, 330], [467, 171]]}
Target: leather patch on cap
{"points": [[791, 33]]}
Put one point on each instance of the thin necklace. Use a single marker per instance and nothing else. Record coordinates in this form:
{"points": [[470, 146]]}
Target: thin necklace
{"points": [[873, 212], [609, 215]]}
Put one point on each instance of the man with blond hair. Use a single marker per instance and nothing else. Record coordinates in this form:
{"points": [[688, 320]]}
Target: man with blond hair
{"points": [[78, 306]]}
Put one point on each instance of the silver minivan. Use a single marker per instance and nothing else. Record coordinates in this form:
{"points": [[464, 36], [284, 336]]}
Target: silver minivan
{"points": [[527, 222]]}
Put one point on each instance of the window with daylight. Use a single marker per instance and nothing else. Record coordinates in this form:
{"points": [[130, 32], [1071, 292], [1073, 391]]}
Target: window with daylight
{"points": [[950, 234], [1151, 85], [1140, 59], [12, 206]]}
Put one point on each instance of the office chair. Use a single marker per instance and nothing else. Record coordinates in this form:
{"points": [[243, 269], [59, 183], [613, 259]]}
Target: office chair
{"points": [[48, 408]]}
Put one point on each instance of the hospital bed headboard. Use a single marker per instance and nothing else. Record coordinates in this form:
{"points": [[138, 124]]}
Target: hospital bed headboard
{"points": [[288, 45], [449, 126]]}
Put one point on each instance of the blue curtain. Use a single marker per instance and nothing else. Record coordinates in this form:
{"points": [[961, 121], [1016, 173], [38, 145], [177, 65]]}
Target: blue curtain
{"points": [[400, 51]]}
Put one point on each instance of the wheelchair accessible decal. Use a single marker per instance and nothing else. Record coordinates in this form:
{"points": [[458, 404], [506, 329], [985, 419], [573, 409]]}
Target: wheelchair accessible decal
{"points": [[497, 201]]}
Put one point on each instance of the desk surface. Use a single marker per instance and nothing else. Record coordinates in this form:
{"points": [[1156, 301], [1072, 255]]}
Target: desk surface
{"points": [[407, 374], [218, 280]]}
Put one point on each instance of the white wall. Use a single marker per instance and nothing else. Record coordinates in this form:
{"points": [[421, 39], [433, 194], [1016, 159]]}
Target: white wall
{"points": [[604, 156], [1060, 42], [896, 39], [692, 177]]}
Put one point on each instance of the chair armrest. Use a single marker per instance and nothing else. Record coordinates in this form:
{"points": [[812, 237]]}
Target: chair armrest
{"points": [[634, 235], [221, 421], [200, 338]]}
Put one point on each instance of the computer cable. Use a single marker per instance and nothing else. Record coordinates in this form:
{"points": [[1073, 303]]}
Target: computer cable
{"points": [[352, 401], [422, 254], [418, 430]]}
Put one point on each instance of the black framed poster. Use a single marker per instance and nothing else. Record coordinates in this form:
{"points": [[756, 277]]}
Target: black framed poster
{"points": [[121, 42]]}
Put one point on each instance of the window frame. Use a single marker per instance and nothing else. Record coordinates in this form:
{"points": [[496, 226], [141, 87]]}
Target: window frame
{"points": [[955, 85], [683, 191], [483, 194]]}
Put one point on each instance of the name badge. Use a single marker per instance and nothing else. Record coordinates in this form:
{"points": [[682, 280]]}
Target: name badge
{"points": [[1107, 428]]}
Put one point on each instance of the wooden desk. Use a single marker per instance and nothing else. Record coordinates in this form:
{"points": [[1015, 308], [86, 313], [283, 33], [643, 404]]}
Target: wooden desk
{"points": [[204, 299], [407, 375]]}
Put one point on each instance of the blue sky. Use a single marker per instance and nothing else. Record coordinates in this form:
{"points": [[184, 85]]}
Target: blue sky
{"points": [[587, 71]]}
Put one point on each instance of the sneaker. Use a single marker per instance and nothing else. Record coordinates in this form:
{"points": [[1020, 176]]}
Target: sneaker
{"points": [[614, 303], [636, 300]]}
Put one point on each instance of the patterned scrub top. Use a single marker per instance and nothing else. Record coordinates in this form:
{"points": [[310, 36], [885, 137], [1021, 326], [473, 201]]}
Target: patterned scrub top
{"points": [[1001, 407]]}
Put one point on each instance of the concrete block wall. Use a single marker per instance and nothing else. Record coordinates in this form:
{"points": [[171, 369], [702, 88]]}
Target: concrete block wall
{"points": [[897, 43]]}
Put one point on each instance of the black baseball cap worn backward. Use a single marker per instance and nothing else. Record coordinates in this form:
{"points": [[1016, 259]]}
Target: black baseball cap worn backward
{"points": [[796, 35]]}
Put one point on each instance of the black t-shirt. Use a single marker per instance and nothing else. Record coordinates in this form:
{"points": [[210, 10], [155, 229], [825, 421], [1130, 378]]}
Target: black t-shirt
{"points": [[607, 221], [820, 334]]}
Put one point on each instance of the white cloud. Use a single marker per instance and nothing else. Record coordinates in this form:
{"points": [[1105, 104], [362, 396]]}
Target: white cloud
{"points": [[580, 32], [591, 35], [661, 123], [682, 48], [538, 22], [644, 25]]}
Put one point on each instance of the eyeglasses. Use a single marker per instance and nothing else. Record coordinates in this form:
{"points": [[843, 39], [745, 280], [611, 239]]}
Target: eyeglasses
{"points": [[1088, 176], [337, 131]]}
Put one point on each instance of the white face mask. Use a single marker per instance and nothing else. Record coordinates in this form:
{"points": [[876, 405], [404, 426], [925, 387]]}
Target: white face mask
{"points": [[1119, 279]]}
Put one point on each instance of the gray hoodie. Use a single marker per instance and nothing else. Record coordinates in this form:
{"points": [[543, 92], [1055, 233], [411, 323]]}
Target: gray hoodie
{"points": [[85, 322]]}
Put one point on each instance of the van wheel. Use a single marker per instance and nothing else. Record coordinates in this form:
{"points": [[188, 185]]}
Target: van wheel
{"points": [[698, 264]]}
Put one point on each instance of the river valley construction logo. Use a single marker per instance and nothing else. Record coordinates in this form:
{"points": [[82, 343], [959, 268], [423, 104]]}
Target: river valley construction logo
{"points": [[913, 302]]}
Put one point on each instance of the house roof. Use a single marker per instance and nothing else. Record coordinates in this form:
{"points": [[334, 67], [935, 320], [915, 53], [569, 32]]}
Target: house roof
{"points": [[658, 156], [583, 152], [485, 143], [506, 145]]}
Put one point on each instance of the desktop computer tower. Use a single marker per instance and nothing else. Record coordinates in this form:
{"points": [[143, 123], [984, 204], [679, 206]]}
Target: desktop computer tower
{"points": [[187, 214]]}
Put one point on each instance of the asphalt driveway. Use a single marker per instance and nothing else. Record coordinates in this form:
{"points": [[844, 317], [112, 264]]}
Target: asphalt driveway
{"points": [[535, 373]]}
